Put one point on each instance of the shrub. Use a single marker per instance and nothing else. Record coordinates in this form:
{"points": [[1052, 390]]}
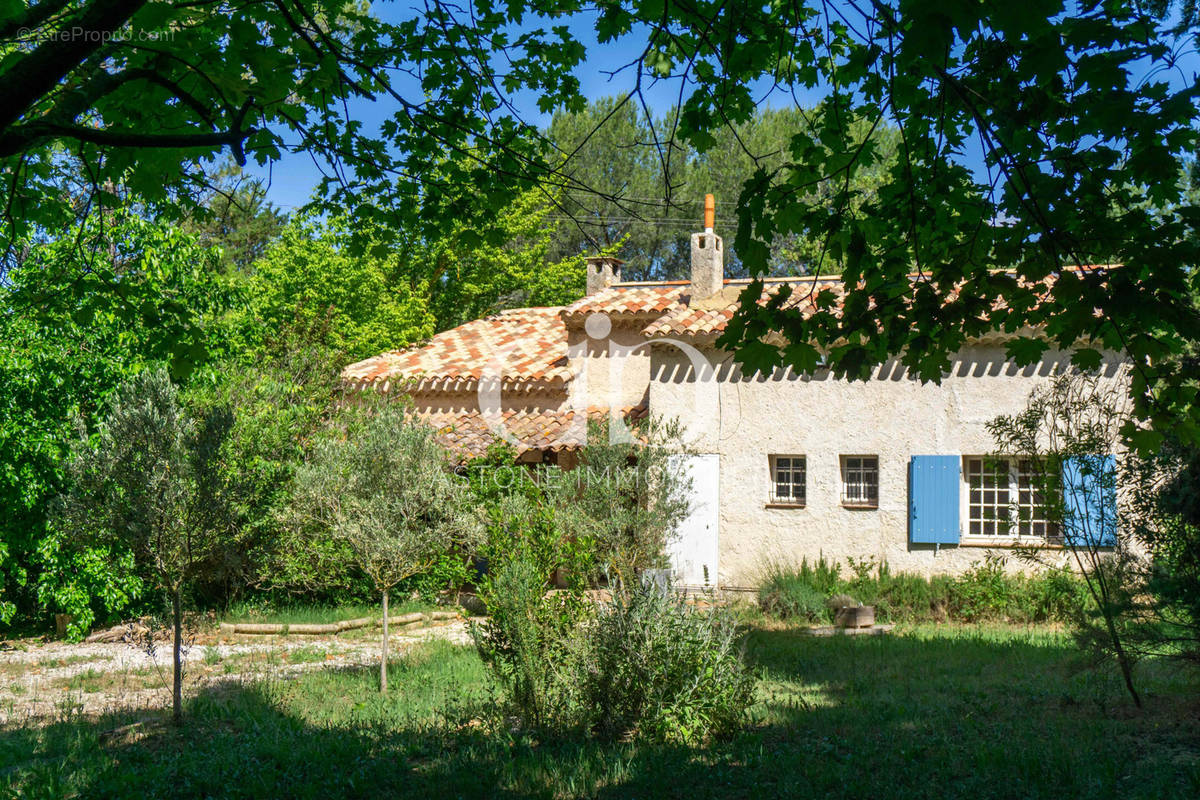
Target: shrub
{"points": [[531, 643], [663, 670], [984, 592], [788, 596], [791, 593]]}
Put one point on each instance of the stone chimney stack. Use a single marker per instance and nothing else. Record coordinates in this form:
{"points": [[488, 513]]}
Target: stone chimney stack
{"points": [[602, 272], [708, 257]]}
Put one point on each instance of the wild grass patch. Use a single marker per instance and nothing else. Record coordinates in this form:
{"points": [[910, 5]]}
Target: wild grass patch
{"points": [[981, 711]]}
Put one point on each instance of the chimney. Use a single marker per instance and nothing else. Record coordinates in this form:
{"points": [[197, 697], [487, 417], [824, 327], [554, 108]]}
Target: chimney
{"points": [[602, 272], [708, 258]]}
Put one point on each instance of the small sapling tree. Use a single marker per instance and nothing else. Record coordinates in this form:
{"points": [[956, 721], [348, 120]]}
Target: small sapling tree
{"points": [[151, 479], [1070, 432], [378, 482]]}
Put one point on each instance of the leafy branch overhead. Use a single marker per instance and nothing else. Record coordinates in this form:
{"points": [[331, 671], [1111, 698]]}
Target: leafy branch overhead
{"points": [[1079, 121]]}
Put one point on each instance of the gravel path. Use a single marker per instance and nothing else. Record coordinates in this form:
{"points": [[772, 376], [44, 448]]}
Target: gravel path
{"points": [[41, 682]]}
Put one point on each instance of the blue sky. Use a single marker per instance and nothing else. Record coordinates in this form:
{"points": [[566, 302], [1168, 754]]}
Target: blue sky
{"points": [[292, 180]]}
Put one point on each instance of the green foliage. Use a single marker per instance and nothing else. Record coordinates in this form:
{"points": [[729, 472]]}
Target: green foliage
{"points": [[234, 215], [279, 401], [531, 643], [489, 260], [982, 592], [151, 292], [1067, 431], [379, 485], [644, 206], [1076, 114], [1163, 515], [310, 279], [378, 482], [800, 593], [659, 668], [152, 482], [646, 663], [985, 592], [626, 497], [525, 517]]}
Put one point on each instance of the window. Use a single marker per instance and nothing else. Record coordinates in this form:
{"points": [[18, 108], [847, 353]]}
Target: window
{"points": [[1004, 498], [789, 474], [1031, 504], [860, 481]]}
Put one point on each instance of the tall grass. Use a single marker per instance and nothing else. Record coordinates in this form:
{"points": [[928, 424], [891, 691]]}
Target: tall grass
{"points": [[984, 592]]}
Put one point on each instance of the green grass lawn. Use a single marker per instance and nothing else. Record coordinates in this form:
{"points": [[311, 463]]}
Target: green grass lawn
{"points": [[947, 712], [316, 614]]}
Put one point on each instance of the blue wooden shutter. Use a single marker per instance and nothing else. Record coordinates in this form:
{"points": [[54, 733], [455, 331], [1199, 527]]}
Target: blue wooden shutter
{"points": [[1089, 501], [933, 499]]}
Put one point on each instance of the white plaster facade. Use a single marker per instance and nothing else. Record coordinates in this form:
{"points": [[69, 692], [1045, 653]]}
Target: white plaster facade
{"points": [[745, 420]]}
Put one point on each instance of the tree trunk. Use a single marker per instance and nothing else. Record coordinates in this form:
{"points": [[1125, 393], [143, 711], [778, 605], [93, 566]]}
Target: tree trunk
{"points": [[177, 688], [383, 653], [1123, 659]]}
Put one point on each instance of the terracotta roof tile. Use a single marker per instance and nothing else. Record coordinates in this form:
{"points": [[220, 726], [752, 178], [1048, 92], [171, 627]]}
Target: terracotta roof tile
{"points": [[708, 318], [468, 435], [522, 346], [629, 301]]}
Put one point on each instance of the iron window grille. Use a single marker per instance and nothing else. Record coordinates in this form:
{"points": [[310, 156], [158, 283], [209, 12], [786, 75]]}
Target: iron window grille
{"points": [[789, 480], [860, 481]]}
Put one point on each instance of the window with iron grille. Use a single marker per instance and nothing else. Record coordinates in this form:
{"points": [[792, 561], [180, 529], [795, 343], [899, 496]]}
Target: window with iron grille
{"points": [[1004, 498], [860, 481], [789, 480]]}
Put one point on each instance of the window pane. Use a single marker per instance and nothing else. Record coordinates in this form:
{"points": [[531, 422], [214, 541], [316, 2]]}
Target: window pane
{"points": [[788, 479]]}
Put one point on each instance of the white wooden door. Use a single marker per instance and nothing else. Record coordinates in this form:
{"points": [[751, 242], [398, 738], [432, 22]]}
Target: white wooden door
{"points": [[693, 551]]}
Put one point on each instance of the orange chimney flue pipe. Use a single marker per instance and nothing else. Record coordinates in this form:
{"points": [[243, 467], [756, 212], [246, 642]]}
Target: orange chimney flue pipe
{"points": [[710, 212]]}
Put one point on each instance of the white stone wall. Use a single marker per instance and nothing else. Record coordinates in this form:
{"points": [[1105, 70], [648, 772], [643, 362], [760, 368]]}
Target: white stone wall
{"points": [[892, 416]]}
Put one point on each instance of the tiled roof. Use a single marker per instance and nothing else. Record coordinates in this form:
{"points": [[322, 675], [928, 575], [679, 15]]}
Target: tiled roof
{"points": [[468, 435], [709, 317], [524, 347], [630, 301]]}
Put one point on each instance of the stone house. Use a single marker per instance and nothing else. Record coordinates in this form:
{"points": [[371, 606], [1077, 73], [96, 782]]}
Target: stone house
{"points": [[783, 466]]}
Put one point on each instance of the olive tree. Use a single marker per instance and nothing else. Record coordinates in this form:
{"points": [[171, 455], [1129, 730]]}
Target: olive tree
{"points": [[628, 495], [378, 482], [150, 478]]}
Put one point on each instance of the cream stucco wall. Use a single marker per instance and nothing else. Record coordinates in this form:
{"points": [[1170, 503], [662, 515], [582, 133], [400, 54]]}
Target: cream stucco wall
{"points": [[610, 362], [893, 416]]}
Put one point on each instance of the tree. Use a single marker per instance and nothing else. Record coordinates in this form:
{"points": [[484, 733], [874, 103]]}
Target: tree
{"points": [[233, 213], [151, 481], [280, 395], [625, 497], [495, 261], [1069, 432], [65, 346], [1072, 113], [137, 96], [309, 278], [381, 484], [628, 185], [616, 192]]}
